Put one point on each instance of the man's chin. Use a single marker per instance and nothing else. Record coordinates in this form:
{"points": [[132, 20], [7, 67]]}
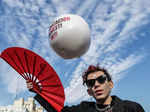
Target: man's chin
{"points": [[100, 97]]}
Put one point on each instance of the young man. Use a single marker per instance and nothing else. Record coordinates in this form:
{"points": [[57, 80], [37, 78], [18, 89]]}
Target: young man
{"points": [[99, 84]]}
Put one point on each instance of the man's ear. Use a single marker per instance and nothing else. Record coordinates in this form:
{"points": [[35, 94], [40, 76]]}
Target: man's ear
{"points": [[89, 90], [111, 84]]}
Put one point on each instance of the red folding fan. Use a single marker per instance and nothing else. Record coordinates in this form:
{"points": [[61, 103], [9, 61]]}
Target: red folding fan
{"points": [[34, 68]]}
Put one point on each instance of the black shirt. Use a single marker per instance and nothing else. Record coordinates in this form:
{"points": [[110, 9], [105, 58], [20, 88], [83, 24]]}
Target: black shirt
{"points": [[118, 105]]}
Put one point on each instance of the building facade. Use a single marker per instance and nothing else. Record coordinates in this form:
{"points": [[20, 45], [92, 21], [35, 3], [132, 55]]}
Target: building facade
{"points": [[22, 106]]}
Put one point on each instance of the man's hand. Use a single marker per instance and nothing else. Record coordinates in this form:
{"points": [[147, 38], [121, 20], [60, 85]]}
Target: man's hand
{"points": [[30, 86]]}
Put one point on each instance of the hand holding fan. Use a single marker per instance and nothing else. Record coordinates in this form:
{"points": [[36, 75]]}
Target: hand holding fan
{"points": [[34, 68]]}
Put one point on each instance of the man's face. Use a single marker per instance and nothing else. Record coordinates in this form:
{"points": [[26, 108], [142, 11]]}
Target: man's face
{"points": [[100, 90]]}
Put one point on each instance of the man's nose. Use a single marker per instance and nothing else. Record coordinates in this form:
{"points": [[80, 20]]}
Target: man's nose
{"points": [[97, 84]]}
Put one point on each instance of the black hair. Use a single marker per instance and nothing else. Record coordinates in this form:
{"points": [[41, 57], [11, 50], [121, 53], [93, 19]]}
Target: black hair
{"points": [[93, 68]]}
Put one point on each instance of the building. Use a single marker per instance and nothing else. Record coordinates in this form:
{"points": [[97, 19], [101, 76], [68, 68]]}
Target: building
{"points": [[22, 106]]}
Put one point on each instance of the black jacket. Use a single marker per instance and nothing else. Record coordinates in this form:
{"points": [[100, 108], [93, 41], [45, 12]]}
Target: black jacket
{"points": [[118, 106]]}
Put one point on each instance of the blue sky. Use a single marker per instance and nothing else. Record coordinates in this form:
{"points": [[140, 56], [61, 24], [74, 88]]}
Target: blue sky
{"points": [[120, 42]]}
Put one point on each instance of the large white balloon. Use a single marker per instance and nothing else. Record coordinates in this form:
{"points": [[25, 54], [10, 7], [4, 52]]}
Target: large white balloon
{"points": [[69, 36]]}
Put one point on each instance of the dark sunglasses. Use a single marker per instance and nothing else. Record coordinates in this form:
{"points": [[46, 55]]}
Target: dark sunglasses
{"points": [[101, 79]]}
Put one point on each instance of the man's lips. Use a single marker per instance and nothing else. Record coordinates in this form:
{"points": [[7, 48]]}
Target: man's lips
{"points": [[99, 91]]}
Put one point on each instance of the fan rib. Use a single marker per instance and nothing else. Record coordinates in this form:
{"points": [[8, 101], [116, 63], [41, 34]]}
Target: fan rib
{"points": [[41, 71], [21, 63], [16, 65], [26, 60], [46, 78], [34, 63]]}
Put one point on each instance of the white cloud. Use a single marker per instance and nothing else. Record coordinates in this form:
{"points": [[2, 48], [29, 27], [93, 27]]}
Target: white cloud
{"points": [[117, 70], [24, 41], [128, 32], [76, 93], [84, 8], [14, 3]]}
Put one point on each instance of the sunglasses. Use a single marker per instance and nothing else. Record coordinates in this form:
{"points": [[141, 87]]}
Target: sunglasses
{"points": [[101, 79]]}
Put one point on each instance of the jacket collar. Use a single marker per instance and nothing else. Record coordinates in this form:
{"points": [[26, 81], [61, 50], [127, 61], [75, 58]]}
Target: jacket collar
{"points": [[117, 104]]}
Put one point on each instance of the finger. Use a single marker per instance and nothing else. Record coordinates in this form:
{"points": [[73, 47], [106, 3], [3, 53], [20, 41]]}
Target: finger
{"points": [[29, 86], [30, 83], [27, 81]]}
